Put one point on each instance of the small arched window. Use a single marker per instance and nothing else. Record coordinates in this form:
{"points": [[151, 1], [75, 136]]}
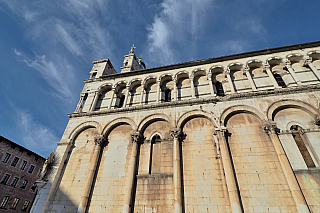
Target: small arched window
{"points": [[121, 102], [279, 80], [155, 155], [299, 138], [220, 91], [167, 97]]}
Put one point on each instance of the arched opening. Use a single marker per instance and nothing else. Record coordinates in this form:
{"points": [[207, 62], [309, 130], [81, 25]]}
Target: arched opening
{"points": [[219, 87], [167, 97], [297, 133], [155, 154], [121, 102], [279, 80]]}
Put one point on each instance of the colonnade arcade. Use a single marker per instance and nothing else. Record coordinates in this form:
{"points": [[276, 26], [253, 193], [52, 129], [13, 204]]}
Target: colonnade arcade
{"points": [[224, 132], [219, 80]]}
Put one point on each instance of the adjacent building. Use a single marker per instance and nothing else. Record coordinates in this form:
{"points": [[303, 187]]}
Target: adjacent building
{"points": [[237, 133], [19, 169]]}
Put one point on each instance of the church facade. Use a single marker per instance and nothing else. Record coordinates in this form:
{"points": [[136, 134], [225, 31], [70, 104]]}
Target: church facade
{"points": [[237, 133]]}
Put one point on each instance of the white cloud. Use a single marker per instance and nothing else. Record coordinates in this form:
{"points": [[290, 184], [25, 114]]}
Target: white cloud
{"points": [[179, 22], [56, 74], [34, 135]]}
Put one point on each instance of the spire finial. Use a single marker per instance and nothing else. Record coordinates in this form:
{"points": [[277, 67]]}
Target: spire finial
{"points": [[132, 48]]}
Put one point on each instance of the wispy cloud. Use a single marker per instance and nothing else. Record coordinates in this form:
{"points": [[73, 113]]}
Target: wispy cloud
{"points": [[33, 134], [179, 22], [53, 72]]}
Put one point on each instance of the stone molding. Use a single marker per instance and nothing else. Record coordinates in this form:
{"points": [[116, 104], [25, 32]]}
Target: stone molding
{"points": [[283, 132], [212, 99]]}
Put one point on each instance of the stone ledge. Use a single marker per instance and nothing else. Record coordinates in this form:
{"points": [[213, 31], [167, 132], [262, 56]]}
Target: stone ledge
{"points": [[154, 176], [213, 100]]}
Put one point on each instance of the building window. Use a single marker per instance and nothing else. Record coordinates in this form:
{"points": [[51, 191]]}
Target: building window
{"points": [[155, 154], [24, 184], [23, 165], [14, 181], [220, 91], [167, 97], [5, 179], [31, 169], [15, 161], [20, 149], [4, 202], [297, 133], [13, 146], [279, 80], [6, 158], [39, 173], [36, 159], [15, 203], [25, 206], [121, 102], [33, 187]]}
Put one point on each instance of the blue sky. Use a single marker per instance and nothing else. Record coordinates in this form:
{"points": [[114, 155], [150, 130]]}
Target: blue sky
{"points": [[47, 47]]}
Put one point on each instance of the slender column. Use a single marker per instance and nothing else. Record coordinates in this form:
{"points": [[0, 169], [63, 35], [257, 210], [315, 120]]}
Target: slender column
{"points": [[99, 141], [247, 72], [175, 92], [136, 139], [177, 196], [302, 207], [227, 74], [266, 67], [158, 91], [192, 87], [126, 97], [229, 171], [212, 87], [142, 92], [111, 99], [95, 100], [287, 65], [308, 62], [80, 103]]}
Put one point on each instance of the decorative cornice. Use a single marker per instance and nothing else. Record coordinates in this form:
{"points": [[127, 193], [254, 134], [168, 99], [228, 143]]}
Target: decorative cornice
{"points": [[212, 99]]}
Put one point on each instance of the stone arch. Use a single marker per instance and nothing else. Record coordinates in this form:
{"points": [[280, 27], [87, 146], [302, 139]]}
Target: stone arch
{"points": [[235, 64], [198, 70], [85, 125], [192, 114], [133, 80], [287, 103], [104, 85], [254, 61], [149, 77], [154, 117], [216, 67], [179, 73], [116, 122], [227, 113], [164, 75], [118, 83], [274, 58]]}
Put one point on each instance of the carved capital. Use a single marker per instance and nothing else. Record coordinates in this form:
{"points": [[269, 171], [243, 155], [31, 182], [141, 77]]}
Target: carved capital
{"points": [[266, 66], [226, 71], [317, 120], [221, 129], [307, 60], [175, 133], [269, 127], [287, 63], [246, 70], [99, 140], [136, 137]]}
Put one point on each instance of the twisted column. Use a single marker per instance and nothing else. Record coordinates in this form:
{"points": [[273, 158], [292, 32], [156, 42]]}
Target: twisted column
{"points": [[135, 139], [230, 175], [111, 99], [302, 207], [158, 90], [308, 62], [142, 92], [95, 100], [266, 67], [246, 71], [227, 74], [177, 194], [99, 141], [287, 64], [126, 97], [192, 87]]}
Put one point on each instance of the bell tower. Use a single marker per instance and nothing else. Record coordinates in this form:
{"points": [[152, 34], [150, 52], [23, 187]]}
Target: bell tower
{"points": [[130, 62]]}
